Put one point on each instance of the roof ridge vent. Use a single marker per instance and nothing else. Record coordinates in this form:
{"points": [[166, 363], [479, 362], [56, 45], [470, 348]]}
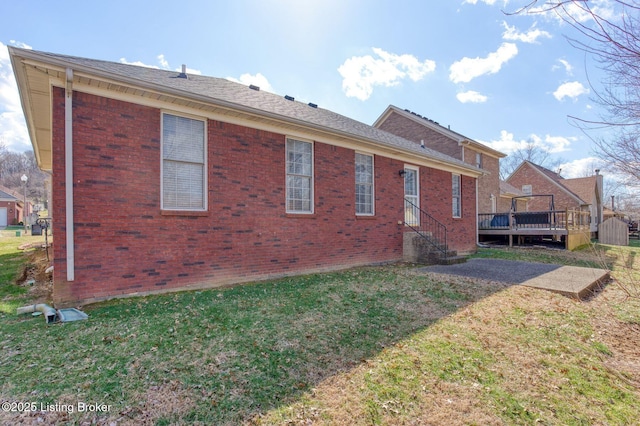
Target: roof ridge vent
{"points": [[183, 74], [312, 105], [289, 98], [254, 87]]}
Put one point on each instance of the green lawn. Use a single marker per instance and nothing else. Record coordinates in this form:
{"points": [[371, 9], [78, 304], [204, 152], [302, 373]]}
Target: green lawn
{"points": [[380, 345], [12, 261]]}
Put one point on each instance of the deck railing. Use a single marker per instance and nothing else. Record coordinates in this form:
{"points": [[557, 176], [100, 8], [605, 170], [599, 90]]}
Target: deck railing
{"points": [[550, 219]]}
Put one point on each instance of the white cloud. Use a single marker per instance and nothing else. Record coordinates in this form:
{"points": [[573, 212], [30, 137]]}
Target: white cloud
{"points": [[137, 63], [471, 96], [568, 68], [575, 10], [360, 74], [162, 64], [553, 144], [257, 80], [570, 90], [13, 129], [489, 2], [581, 168], [603, 8], [466, 69], [531, 36], [20, 44]]}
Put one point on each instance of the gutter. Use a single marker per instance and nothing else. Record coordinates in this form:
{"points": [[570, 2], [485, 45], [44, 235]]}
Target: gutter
{"points": [[68, 174]]}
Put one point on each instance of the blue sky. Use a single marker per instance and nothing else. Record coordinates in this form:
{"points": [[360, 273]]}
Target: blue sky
{"points": [[498, 79]]}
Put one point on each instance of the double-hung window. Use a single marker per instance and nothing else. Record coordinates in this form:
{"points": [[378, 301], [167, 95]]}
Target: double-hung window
{"points": [[183, 163], [364, 184], [299, 176], [455, 196]]}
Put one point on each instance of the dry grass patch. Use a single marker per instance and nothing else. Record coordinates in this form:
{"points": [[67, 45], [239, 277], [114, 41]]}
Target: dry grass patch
{"points": [[518, 356]]}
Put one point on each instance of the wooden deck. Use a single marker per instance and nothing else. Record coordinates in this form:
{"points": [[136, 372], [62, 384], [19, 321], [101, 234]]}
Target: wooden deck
{"points": [[572, 226]]}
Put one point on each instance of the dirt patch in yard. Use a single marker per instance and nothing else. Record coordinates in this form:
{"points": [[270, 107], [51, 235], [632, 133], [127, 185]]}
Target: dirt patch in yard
{"points": [[33, 275]]}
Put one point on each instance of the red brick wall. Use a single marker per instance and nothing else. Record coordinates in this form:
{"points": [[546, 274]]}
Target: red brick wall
{"points": [[436, 199], [409, 129], [526, 175], [13, 212], [488, 184], [414, 131], [124, 244]]}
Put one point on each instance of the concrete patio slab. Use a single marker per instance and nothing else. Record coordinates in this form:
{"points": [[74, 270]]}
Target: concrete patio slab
{"points": [[572, 281]]}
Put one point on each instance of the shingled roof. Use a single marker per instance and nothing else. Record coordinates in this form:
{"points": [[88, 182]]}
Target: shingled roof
{"points": [[580, 188], [226, 94], [6, 196]]}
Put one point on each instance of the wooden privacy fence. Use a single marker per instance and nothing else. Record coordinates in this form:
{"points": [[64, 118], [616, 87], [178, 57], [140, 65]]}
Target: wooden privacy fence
{"points": [[613, 231]]}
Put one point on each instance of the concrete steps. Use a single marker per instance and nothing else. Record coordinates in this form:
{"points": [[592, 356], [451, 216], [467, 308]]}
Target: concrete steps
{"points": [[420, 248]]}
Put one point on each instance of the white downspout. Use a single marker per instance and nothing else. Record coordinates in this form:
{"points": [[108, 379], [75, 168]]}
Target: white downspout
{"points": [[68, 175], [477, 217]]}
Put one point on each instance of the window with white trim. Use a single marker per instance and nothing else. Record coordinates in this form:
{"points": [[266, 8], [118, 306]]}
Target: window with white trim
{"points": [[364, 184], [527, 189], [299, 176], [456, 209], [479, 160], [183, 163]]}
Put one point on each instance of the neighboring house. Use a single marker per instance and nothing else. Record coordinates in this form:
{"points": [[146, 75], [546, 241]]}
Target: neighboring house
{"points": [[430, 134], [506, 201], [11, 207], [164, 181], [8, 208], [608, 213], [580, 193]]}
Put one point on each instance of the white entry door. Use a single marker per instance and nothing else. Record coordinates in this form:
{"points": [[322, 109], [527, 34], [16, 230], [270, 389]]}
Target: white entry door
{"points": [[3, 217], [411, 197]]}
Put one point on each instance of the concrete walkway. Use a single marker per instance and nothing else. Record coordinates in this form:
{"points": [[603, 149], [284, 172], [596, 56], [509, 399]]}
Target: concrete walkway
{"points": [[571, 281]]}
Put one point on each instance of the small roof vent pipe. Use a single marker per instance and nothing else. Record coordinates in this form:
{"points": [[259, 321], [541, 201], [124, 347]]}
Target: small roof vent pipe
{"points": [[183, 74]]}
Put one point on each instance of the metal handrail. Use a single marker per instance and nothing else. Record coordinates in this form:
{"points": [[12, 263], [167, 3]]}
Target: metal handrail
{"points": [[427, 226]]}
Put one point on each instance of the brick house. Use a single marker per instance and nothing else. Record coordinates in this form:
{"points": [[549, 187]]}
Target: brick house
{"points": [[507, 194], [164, 180], [579, 193], [11, 207], [431, 134]]}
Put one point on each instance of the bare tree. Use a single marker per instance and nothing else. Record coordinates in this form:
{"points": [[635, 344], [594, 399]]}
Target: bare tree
{"points": [[613, 40], [530, 152], [15, 164]]}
